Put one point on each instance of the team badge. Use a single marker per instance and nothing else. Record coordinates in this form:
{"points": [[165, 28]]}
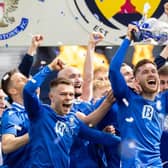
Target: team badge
{"points": [[7, 8]]}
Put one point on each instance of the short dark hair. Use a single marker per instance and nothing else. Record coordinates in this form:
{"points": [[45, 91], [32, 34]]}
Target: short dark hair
{"points": [[141, 63], [6, 79], [59, 81], [163, 70]]}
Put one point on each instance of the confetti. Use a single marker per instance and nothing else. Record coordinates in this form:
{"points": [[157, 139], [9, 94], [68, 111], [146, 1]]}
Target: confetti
{"points": [[146, 7], [38, 21], [6, 45], [42, 62], [6, 77], [56, 141], [90, 125], [96, 16], [125, 101], [131, 145], [76, 18], [17, 127], [101, 23], [57, 52], [109, 47], [62, 13], [128, 147], [33, 80]]}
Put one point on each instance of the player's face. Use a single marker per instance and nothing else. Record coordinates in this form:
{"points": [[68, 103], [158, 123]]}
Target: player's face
{"points": [[163, 82], [148, 78], [18, 81], [62, 98], [166, 8], [74, 75], [2, 100], [100, 92], [101, 75], [127, 72]]}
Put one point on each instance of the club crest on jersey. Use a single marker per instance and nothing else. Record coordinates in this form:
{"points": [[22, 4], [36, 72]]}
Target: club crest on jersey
{"points": [[6, 20], [147, 112], [61, 128]]}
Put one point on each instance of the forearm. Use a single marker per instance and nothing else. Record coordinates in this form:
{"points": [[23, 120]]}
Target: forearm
{"points": [[11, 144], [119, 57], [26, 64], [162, 58], [116, 78], [98, 137], [37, 80], [164, 53], [97, 115], [31, 101], [160, 61], [88, 73], [32, 50], [27, 61]]}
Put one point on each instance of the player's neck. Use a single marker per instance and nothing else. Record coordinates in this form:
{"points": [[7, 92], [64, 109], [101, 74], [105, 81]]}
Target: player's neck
{"points": [[18, 100], [149, 96], [1, 111]]}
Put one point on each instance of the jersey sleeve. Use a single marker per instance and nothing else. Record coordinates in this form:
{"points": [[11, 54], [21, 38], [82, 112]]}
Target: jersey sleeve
{"points": [[166, 100], [118, 83], [25, 65], [160, 61], [9, 122], [31, 101], [96, 136]]}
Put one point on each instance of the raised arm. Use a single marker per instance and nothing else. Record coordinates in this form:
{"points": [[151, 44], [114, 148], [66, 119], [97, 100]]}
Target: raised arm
{"points": [[27, 61], [31, 101], [116, 78], [162, 58], [94, 39]]}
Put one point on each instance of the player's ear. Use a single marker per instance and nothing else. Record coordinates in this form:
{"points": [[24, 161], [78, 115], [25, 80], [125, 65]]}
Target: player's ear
{"points": [[50, 95]]}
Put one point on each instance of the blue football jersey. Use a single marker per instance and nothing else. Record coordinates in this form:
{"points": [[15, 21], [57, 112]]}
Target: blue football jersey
{"points": [[52, 135], [112, 154], [81, 147], [140, 120], [15, 121]]}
